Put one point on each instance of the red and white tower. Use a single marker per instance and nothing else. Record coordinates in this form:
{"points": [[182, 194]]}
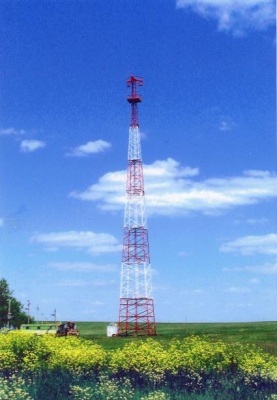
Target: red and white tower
{"points": [[136, 313]]}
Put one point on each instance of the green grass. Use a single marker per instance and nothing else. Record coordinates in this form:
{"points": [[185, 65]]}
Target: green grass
{"points": [[263, 334]]}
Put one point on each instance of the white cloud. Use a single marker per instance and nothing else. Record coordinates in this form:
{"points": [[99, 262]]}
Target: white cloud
{"points": [[234, 15], [12, 132], [248, 245], [73, 282], [197, 291], [172, 189], [191, 292], [252, 221], [266, 269], [109, 190], [182, 254], [94, 243], [85, 282], [234, 289], [254, 281], [97, 303], [263, 269], [98, 146], [28, 146], [226, 125], [82, 267], [1, 222]]}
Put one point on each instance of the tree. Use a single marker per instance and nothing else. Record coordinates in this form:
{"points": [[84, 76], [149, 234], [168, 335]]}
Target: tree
{"points": [[17, 315]]}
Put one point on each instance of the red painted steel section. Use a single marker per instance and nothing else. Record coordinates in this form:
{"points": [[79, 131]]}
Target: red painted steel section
{"points": [[137, 317], [135, 246], [134, 98], [135, 182]]}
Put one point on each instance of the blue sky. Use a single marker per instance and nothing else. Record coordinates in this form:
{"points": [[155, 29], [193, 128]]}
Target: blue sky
{"points": [[207, 124]]}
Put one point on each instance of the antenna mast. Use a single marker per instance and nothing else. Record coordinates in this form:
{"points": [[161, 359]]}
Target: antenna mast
{"points": [[136, 313]]}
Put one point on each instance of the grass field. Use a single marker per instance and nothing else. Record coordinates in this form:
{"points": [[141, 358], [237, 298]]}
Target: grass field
{"points": [[263, 334]]}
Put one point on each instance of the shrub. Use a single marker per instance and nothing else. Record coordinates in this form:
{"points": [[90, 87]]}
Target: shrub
{"points": [[56, 368]]}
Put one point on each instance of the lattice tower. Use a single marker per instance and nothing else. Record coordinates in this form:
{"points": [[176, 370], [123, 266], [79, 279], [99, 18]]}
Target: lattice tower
{"points": [[136, 312]]}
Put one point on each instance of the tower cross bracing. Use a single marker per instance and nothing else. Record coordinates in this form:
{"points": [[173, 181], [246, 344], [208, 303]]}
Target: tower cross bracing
{"points": [[136, 311]]}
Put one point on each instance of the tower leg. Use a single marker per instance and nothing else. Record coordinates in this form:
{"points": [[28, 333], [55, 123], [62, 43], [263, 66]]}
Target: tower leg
{"points": [[136, 317]]}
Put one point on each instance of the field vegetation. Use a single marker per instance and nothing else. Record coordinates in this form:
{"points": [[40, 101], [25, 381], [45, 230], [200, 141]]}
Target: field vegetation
{"points": [[262, 334], [184, 361]]}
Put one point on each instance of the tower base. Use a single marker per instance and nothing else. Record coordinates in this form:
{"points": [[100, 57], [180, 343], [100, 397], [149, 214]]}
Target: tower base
{"points": [[136, 317]]}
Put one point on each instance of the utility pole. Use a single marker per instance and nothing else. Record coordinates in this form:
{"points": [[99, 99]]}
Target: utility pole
{"points": [[9, 316], [28, 310]]}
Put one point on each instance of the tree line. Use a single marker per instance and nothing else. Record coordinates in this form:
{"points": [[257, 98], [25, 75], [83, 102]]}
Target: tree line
{"points": [[12, 311]]}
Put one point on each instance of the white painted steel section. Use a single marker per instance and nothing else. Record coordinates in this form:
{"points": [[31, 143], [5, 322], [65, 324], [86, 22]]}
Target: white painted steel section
{"points": [[135, 281], [135, 211], [135, 277], [134, 148]]}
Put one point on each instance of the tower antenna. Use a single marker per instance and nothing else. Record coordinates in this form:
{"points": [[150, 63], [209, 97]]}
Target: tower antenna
{"points": [[136, 311]]}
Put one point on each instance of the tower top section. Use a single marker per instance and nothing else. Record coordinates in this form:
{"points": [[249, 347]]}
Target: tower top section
{"points": [[133, 82], [134, 98]]}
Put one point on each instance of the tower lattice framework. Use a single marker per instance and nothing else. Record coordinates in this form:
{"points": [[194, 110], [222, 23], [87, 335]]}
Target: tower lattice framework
{"points": [[136, 312]]}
